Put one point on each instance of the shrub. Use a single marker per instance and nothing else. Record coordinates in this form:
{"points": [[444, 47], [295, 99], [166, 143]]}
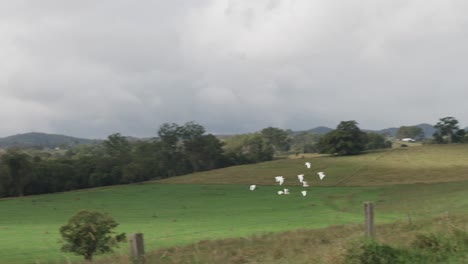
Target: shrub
{"points": [[371, 252], [88, 233]]}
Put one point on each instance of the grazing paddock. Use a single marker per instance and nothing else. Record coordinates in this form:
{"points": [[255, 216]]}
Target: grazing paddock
{"points": [[424, 181]]}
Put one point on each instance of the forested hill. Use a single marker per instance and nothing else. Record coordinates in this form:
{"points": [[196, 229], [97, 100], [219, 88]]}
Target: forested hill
{"points": [[427, 129], [42, 140]]}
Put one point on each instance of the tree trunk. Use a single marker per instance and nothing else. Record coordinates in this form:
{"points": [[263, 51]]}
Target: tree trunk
{"points": [[88, 258]]}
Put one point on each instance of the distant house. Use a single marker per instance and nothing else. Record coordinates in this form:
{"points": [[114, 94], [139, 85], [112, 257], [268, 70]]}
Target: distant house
{"points": [[407, 140]]}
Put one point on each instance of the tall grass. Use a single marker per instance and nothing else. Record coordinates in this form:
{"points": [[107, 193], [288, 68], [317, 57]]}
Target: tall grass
{"points": [[396, 242]]}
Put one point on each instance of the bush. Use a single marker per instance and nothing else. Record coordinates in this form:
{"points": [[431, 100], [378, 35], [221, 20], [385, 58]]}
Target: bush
{"points": [[425, 248], [371, 252], [88, 233]]}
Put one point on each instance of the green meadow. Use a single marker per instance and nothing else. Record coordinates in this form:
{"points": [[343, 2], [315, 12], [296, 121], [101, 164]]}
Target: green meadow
{"points": [[423, 181]]}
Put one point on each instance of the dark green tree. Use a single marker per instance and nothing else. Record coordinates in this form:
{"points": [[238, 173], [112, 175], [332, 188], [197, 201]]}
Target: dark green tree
{"points": [[377, 141], [460, 136], [118, 147], [88, 233], [278, 138], [346, 139], [250, 148], [304, 142], [447, 128], [5, 182], [190, 131], [170, 154], [118, 152], [19, 167], [169, 134], [204, 152]]}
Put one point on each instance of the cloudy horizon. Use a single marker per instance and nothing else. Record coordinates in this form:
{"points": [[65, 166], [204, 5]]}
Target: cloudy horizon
{"points": [[93, 68]]}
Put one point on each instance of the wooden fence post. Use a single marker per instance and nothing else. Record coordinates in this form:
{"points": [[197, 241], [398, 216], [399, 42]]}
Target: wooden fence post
{"points": [[137, 249], [369, 219]]}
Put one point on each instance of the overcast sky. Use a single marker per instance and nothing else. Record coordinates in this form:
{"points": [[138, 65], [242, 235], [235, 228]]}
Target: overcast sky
{"points": [[90, 68]]}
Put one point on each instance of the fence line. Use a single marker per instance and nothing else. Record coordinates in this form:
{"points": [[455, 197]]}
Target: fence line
{"points": [[402, 217]]}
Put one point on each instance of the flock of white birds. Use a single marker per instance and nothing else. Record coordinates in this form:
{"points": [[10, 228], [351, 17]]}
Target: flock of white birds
{"points": [[300, 177]]}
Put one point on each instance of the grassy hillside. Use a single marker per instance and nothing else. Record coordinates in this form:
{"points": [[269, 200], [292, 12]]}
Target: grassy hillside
{"points": [[218, 204], [425, 164]]}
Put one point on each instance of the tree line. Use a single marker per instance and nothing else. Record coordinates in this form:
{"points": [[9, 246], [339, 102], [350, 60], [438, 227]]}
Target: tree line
{"points": [[348, 139], [177, 150], [183, 149]]}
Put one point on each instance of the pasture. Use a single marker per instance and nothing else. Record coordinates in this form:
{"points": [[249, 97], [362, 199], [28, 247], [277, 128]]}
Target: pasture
{"points": [[425, 181]]}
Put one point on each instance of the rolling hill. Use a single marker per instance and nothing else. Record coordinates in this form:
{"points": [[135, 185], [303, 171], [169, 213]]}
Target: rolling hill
{"points": [[425, 180], [391, 131], [42, 140], [428, 130]]}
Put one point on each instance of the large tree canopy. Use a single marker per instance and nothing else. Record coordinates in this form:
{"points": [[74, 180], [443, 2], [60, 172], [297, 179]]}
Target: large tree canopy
{"points": [[346, 139], [448, 131], [278, 138], [19, 167]]}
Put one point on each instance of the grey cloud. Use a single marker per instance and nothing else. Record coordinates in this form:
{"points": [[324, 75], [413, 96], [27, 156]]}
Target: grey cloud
{"points": [[91, 68]]}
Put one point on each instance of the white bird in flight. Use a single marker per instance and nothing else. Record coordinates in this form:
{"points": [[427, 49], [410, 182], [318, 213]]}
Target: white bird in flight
{"points": [[300, 177], [304, 193], [321, 175], [279, 179], [304, 184], [252, 187], [307, 165]]}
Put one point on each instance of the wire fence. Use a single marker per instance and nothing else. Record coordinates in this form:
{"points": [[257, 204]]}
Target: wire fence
{"points": [[51, 252]]}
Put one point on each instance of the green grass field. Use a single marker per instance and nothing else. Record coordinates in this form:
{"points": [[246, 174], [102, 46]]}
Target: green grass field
{"points": [[425, 181]]}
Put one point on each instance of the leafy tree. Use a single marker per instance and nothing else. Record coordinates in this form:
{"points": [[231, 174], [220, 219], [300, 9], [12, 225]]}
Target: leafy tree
{"points": [[346, 139], [190, 131], [5, 181], [377, 141], [19, 165], [459, 136], [118, 155], [304, 142], [447, 129], [50, 176], [88, 233], [248, 148], [278, 138], [204, 152], [170, 154], [410, 132], [169, 134], [117, 146], [257, 149]]}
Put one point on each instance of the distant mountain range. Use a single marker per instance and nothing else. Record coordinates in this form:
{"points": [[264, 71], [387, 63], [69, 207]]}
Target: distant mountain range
{"points": [[391, 131], [320, 130], [427, 129], [42, 140]]}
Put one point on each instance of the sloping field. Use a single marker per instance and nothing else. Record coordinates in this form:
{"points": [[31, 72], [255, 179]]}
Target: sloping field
{"points": [[218, 204], [425, 164]]}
